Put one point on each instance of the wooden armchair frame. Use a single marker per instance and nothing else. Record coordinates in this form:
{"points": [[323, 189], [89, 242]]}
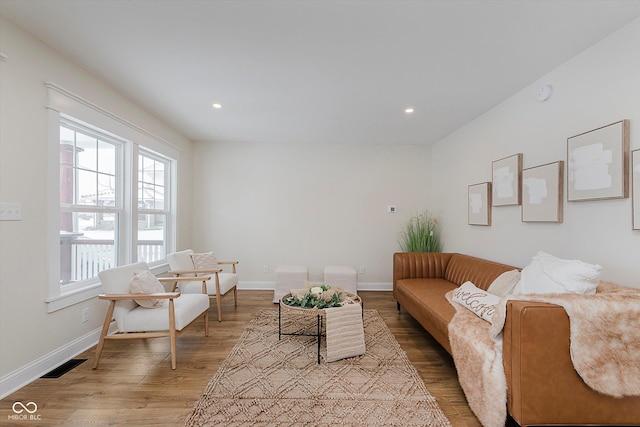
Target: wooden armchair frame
{"points": [[172, 333], [218, 296]]}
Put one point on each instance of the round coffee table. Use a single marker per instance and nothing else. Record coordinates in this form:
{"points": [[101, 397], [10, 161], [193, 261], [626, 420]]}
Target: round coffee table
{"points": [[349, 298]]}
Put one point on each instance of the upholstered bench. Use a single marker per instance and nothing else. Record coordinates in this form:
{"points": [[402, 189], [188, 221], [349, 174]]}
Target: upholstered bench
{"points": [[341, 276], [289, 277]]}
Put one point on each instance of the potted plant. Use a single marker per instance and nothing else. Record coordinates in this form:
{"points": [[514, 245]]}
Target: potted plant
{"points": [[421, 234]]}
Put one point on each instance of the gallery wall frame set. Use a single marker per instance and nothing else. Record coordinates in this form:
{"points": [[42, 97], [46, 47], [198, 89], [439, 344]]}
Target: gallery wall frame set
{"points": [[598, 163]]}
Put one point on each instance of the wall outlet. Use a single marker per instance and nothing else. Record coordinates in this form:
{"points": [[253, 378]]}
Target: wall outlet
{"points": [[85, 315], [265, 269], [362, 270]]}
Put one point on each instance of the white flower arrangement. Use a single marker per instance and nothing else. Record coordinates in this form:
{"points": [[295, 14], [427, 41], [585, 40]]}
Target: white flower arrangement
{"points": [[314, 296]]}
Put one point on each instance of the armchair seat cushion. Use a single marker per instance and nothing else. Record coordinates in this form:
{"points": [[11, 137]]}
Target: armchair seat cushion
{"points": [[227, 282], [187, 309]]}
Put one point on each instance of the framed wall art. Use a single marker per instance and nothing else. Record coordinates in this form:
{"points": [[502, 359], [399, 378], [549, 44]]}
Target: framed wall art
{"points": [[635, 172], [507, 174], [598, 163], [542, 193], [479, 204]]}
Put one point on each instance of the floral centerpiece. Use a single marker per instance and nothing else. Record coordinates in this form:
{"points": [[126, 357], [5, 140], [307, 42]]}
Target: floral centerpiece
{"points": [[319, 297]]}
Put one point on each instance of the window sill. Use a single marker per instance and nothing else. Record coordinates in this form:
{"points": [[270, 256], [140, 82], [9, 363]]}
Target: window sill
{"points": [[73, 297], [88, 292]]}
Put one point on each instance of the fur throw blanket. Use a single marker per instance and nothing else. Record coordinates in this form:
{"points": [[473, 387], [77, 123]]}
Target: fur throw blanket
{"points": [[604, 333], [478, 360], [605, 346]]}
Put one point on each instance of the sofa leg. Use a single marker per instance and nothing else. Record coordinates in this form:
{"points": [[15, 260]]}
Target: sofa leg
{"points": [[398, 305]]}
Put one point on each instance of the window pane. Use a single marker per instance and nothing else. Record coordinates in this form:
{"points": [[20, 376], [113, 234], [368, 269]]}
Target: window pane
{"points": [[86, 188], [106, 158], [151, 180], [151, 237], [106, 190], [86, 152], [87, 244]]}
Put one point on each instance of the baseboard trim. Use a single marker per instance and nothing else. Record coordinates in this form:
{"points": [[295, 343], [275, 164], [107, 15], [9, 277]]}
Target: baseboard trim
{"points": [[269, 286], [19, 378]]}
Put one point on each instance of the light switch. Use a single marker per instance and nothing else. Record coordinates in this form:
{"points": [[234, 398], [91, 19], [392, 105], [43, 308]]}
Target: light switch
{"points": [[10, 211]]}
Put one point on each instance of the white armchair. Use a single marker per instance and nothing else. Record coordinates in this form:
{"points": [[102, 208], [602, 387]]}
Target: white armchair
{"points": [[134, 321], [221, 283]]}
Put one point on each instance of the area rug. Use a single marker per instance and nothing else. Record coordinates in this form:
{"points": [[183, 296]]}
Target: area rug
{"points": [[269, 382]]}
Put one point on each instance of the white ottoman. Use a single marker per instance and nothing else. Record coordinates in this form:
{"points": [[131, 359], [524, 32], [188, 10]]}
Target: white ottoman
{"points": [[289, 277], [343, 276]]}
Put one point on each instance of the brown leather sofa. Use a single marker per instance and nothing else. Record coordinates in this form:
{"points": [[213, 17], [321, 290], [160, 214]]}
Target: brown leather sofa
{"points": [[543, 387]]}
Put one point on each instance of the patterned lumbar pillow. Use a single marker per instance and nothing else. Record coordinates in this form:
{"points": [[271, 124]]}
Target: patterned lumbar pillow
{"points": [[144, 282], [480, 302], [204, 261]]}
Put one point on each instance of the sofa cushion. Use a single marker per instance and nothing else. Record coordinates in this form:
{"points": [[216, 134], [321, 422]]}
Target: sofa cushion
{"points": [[482, 273], [425, 300]]}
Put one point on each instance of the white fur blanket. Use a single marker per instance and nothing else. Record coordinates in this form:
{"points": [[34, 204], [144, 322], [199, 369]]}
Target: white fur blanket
{"points": [[478, 360], [605, 347]]}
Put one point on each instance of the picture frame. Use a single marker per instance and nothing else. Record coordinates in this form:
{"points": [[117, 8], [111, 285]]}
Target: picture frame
{"points": [[542, 193], [635, 173], [506, 187], [479, 204], [598, 163]]}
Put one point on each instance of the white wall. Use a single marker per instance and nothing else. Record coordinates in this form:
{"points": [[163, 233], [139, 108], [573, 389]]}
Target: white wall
{"points": [[306, 204], [28, 332], [598, 87]]}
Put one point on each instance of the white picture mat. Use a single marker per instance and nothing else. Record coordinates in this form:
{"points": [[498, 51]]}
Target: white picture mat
{"points": [[507, 174], [596, 162], [479, 204], [542, 193]]}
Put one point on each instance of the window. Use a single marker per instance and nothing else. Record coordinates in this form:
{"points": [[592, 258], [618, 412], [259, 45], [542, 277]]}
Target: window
{"points": [[111, 195], [153, 204], [90, 202]]}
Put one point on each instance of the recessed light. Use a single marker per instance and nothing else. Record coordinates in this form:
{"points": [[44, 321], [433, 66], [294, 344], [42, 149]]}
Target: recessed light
{"points": [[217, 106], [409, 110]]}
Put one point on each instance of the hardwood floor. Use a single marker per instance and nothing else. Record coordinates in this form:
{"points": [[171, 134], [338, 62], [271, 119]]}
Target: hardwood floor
{"points": [[135, 385]]}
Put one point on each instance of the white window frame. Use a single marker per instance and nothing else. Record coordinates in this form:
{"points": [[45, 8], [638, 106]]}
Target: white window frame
{"points": [[123, 194], [169, 204], [65, 106]]}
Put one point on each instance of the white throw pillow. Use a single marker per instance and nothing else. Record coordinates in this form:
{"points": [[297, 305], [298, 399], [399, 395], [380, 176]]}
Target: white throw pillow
{"points": [[479, 301], [204, 261], [547, 274], [505, 283], [144, 282]]}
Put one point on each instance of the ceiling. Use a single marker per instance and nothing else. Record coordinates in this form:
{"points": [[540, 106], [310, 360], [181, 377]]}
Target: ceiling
{"points": [[319, 71]]}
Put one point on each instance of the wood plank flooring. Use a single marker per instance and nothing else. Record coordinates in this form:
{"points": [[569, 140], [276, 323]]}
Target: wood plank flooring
{"points": [[135, 385]]}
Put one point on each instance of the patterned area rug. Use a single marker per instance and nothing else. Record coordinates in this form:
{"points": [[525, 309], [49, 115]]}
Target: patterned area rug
{"points": [[271, 382]]}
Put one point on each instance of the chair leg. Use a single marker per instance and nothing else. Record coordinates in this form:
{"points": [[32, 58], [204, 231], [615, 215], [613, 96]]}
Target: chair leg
{"points": [[206, 323], [172, 333], [103, 334], [218, 304], [235, 295]]}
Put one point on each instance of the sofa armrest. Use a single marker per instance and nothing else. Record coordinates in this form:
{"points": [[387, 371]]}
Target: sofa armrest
{"points": [[543, 387], [419, 265]]}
